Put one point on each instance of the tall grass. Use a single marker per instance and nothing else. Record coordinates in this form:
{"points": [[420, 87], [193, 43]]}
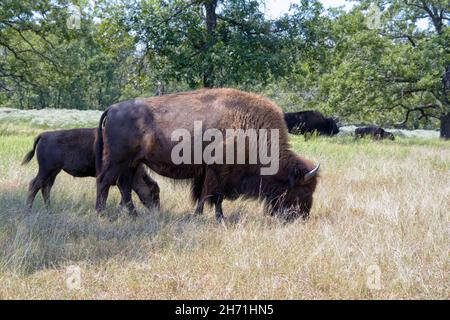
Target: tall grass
{"points": [[379, 229]]}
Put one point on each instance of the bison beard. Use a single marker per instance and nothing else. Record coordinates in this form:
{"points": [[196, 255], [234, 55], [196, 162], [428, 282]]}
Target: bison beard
{"points": [[139, 131]]}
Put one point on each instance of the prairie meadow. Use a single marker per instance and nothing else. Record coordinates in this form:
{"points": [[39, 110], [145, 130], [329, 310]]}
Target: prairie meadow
{"points": [[379, 228]]}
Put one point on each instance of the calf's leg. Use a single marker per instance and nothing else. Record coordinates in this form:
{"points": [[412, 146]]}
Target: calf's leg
{"points": [[146, 188]]}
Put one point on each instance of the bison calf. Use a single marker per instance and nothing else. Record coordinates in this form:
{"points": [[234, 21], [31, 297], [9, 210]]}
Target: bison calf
{"points": [[73, 152], [375, 132]]}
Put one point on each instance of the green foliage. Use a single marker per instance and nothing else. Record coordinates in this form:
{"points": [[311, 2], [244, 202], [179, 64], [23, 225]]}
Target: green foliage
{"points": [[234, 45], [370, 65], [392, 73], [47, 64]]}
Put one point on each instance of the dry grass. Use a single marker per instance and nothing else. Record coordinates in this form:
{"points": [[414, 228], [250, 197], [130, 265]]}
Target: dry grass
{"points": [[379, 206]]}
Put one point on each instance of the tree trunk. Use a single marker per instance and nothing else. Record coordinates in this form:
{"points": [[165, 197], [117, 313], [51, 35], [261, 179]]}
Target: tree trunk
{"points": [[161, 89], [211, 17], [445, 126], [211, 23]]}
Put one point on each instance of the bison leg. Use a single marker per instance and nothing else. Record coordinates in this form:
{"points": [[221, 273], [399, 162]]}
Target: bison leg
{"points": [[146, 188], [197, 187], [199, 208], [48, 187], [35, 185], [212, 192], [124, 183], [108, 177], [218, 208]]}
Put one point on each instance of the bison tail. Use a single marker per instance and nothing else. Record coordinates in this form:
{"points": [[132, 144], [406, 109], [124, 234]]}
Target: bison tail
{"points": [[30, 154], [99, 144]]}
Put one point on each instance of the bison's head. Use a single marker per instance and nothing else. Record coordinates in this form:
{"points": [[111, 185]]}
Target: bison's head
{"points": [[389, 135], [332, 126], [296, 197]]}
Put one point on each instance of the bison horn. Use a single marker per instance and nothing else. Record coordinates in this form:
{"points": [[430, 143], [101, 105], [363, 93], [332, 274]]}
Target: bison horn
{"points": [[311, 174]]}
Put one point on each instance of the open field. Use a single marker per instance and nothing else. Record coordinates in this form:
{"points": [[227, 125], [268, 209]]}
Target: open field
{"points": [[13, 121], [379, 228]]}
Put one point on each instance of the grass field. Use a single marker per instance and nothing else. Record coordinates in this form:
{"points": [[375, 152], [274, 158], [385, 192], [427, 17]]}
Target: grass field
{"points": [[379, 228]]}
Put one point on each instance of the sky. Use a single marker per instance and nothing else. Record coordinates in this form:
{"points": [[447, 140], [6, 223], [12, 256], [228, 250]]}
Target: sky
{"points": [[275, 8]]}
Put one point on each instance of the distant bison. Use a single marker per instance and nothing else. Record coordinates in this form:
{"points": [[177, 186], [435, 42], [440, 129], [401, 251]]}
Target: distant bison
{"points": [[73, 151], [309, 122], [140, 131], [375, 132]]}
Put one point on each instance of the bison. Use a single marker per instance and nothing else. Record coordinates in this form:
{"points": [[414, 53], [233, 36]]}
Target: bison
{"points": [[375, 132], [73, 151], [140, 131], [309, 122]]}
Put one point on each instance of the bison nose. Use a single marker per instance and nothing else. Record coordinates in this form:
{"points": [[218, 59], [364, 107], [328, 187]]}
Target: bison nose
{"points": [[293, 213], [297, 215]]}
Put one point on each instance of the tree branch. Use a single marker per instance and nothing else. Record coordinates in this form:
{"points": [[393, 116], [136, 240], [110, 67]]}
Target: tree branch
{"points": [[399, 36], [421, 108]]}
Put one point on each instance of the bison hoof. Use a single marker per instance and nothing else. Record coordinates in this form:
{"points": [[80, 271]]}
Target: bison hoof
{"points": [[190, 217], [102, 215], [133, 214], [220, 219]]}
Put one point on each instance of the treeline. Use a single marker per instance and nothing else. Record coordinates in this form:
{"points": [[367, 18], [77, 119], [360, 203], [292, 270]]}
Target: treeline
{"points": [[384, 62]]}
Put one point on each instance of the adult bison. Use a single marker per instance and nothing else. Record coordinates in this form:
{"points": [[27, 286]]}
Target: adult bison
{"points": [[309, 122], [375, 132], [140, 131], [73, 151]]}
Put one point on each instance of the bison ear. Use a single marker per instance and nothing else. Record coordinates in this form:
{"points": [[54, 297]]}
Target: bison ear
{"points": [[296, 175]]}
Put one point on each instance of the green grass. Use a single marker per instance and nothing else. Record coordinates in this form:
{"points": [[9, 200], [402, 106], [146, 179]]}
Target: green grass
{"points": [[384, 204]]}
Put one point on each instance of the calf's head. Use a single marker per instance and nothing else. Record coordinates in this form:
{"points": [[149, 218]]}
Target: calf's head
{"points": [[389, 135]]}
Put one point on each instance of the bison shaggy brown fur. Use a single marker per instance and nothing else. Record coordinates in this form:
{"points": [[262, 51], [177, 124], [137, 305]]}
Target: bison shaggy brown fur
{"points": [[73, 152], [139, 131]]}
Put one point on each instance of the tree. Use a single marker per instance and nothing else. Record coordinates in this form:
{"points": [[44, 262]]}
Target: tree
{"points": [[431, 92], [25, 40], [47, 62], [395, 68], [210, 42]]}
